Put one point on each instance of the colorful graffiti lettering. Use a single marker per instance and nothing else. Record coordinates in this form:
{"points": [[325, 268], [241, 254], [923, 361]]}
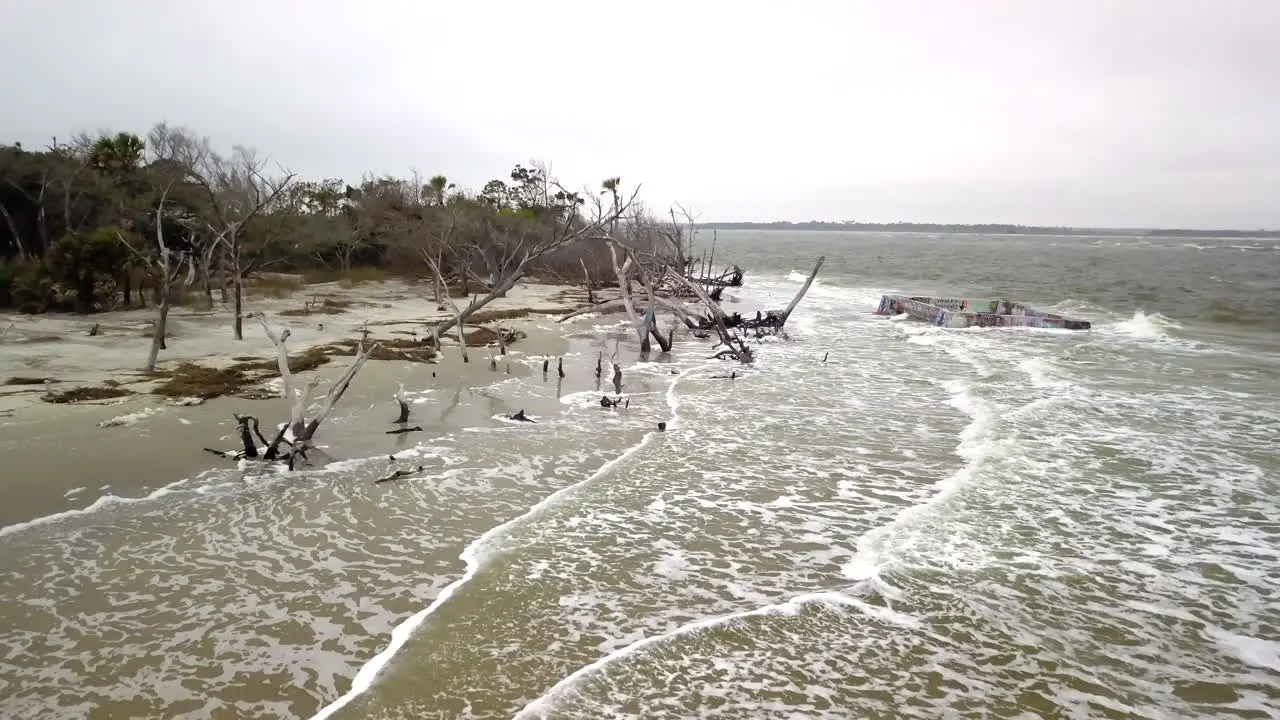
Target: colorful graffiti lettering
{"points": [[965, 312]]}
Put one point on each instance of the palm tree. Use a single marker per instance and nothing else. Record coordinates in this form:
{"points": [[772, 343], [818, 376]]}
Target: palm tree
{"points": [[117, 155], [436, 188]]}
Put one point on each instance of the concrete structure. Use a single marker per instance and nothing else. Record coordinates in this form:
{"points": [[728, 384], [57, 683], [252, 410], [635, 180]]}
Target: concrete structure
{"points": [[964, 312]]}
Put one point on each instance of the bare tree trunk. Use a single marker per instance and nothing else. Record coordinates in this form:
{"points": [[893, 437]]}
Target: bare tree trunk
{"points": [[157, 337], [237, 293], [782, 319], [302, 430], [206, 281], [591, 296], [237, 289], [462, 333], [624, 284], [13, 230], [651, 319]]}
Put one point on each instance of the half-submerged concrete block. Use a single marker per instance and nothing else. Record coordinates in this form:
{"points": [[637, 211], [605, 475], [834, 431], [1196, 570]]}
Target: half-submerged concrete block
{"points": [[965, 312]]}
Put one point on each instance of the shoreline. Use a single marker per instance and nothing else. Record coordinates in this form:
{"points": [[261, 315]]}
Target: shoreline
{"points": [[64, 353], [68, 457]]}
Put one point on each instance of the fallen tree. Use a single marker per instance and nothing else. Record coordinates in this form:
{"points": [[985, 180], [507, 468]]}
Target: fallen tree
{"points": [[293, 438], [507, 244]]}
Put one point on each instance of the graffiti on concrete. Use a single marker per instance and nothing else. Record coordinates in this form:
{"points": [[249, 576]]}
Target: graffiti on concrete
{"points": [[967, 312]]}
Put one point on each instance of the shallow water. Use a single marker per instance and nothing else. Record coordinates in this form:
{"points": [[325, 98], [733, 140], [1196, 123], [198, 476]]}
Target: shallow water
{"points": [[931, 523]]}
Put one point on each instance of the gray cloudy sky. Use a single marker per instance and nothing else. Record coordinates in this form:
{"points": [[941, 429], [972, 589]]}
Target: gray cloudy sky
{"points": [[1084, 112]]}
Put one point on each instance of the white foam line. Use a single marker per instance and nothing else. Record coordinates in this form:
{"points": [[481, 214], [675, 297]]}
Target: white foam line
{"points": [[472, 558], [539, 706], [102, 502], [974, 446]]}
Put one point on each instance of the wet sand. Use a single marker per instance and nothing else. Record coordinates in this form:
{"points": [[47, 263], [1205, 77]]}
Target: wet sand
{"points": [[64, 457]]}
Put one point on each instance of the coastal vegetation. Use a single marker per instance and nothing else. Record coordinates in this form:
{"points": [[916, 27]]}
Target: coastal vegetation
{"points": [[121, 221], [115, 221]]}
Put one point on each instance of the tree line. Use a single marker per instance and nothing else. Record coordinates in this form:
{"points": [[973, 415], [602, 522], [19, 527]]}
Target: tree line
{"points": [[103, 222], [91, 224]]}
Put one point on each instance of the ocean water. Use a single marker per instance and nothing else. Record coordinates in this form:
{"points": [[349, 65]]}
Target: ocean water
{"points": [[930, 523]]}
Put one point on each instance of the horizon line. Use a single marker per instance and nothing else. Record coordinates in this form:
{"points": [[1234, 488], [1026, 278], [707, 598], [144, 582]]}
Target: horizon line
{"points": [[849, 224]]}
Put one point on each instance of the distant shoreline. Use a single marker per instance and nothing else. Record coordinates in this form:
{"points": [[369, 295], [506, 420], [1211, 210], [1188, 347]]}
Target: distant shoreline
{"points": [[988, 229]]}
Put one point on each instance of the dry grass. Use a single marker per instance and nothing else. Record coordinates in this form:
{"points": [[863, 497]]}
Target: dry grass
{"points": [[273, 286], [82, 394], [485, 336], [402, 350], [302, 362], [353, 277], [473, 288], [484, 316], [29, 381], [191, 380], [330, 306], [196, 301]]}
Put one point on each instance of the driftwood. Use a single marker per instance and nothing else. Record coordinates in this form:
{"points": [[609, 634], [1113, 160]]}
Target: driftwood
{"points": [[773, 319], [298, 432], [247, 426], [397, 474], [612, 306], [403, 430]]}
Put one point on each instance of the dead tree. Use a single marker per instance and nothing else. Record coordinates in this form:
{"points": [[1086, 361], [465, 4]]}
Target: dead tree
{"points": [[624, 284], [403, 417], [165, 266], [514, 250], [238, 192], [777, 320], [298, 432], [591, 295], [675, 307]]}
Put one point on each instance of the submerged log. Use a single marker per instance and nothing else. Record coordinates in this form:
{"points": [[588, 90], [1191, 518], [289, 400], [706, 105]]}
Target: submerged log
{"points": [[397, 474], [401, 431]]}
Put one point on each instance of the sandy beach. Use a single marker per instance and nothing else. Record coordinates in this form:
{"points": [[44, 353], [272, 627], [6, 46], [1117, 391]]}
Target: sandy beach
{"points": [[60, 457]]}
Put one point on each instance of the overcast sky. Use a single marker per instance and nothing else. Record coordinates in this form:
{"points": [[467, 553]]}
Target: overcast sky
{"points": [[1080, 112]]}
